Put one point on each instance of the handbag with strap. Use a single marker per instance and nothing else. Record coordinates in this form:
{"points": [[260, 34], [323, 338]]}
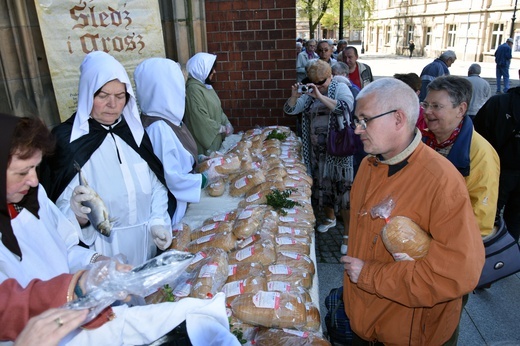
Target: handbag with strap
{"points": [[502, 256], [342, 142]]}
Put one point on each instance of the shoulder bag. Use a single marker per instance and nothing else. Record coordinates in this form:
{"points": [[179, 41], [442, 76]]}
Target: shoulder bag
{"points": [[342, 142]]}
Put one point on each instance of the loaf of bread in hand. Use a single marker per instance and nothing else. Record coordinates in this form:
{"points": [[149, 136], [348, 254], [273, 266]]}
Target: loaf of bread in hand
{"points": [[402, 235]]}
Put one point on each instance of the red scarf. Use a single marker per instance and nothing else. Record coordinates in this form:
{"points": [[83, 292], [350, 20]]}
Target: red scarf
{"points": [[431, 141], [12, 210]]}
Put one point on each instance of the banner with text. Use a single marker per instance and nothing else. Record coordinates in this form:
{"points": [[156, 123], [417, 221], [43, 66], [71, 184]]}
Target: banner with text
{"points": [[129, 30]]}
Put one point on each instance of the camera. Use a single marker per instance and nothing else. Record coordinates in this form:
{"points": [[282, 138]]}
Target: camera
{"points": [[303, 89]]}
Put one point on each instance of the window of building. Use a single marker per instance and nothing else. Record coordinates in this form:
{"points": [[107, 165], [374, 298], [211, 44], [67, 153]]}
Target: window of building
{"points": [[496, 35], [388, 34], [452, 30], [428, 36], [410, 33]]}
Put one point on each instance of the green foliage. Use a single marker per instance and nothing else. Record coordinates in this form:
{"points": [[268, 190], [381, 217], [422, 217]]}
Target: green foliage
{"points": [[282, 136], [168, 293], [279, 200]]}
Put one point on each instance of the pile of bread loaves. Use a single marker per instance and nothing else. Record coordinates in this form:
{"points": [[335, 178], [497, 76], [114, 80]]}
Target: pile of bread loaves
{"points": [[259, 255]]}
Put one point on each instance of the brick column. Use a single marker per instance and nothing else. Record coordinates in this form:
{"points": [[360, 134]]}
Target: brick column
{"points": [[256, 62]]}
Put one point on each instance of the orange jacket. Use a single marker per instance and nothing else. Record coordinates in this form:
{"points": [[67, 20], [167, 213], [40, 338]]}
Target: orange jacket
{"points": [[412, 302]]}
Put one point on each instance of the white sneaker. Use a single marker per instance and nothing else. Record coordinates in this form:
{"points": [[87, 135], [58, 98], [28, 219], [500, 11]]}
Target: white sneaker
{"points": [[344, 248], [329, 223]]}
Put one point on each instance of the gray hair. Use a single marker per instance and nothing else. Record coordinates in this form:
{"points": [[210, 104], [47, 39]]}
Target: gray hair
{"points": [[449, 54], [326, 41], [474, 69], [385, 89], [459, 89], [340, 68]]}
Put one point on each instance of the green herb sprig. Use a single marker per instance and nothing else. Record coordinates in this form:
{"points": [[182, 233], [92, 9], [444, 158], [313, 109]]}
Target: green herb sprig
{"points": [[282, 136], [279, 200]]}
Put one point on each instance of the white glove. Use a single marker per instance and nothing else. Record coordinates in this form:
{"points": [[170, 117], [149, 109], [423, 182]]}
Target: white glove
{"points": [[80, 194], [222, 129], [229, 129], [161, 236]]}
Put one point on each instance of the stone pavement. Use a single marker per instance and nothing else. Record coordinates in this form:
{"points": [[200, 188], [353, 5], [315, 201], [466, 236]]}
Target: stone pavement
{"points": [[491, 316]]}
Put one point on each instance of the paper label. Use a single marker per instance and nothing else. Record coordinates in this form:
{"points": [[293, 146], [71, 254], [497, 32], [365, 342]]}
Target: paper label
{"points": [[205, 239], [208, 270], [280, 269], [234, 288], [254, 197], [232, 269], [291, 254], [245, 253], [245, 214], [285, 241], [287, 219], [183, 289], [265, 299], [209, 227], [296, 332], [243, 243], [240, 183], [279, 286], [289, 230]]}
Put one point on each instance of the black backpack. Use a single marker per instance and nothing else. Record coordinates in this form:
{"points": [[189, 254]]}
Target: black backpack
{"points": [[336, 320]]}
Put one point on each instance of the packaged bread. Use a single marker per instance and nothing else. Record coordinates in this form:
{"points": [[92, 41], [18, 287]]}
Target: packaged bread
{"points": [[224, 240], [248, 221], [249, 284], [296, 260], [313, 317], [216, 227], [239, 271], [226, 164], [288, 337], [181, 236], [211, 276], [297, 231], [293, 244], [402, 235], [183, 288], [297, 181], [202, 256], [245, 181], [262, 252], [217, 188], [296, 221], [286, 275], [270, 309], [227, 217]]}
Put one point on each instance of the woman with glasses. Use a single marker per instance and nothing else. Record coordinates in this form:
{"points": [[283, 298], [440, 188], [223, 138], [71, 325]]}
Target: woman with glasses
{"points": [[450, 132], [309, 53], [332, 175]]}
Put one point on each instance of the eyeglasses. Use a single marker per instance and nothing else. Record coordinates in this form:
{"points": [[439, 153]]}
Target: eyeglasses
{"points": [[322, 82], [322, 50], [434, 106], [363, 122]]}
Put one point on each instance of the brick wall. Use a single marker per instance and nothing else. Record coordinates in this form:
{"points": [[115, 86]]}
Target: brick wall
{"points": [[256, 61]]}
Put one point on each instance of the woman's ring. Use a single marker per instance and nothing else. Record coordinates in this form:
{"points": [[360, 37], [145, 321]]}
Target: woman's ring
{"points": [[58, 321]]}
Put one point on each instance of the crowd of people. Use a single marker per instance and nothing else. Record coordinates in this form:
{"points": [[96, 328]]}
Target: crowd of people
{"points": [[457, 193]]}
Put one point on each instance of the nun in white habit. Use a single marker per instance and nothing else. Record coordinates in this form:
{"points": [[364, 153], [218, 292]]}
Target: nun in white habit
{"points": [[106, 138], [161, 95]]}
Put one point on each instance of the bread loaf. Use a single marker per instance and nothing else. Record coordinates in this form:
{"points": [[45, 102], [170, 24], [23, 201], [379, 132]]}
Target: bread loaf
{"points": [[296, 260], [277, 274], [181, 236], [288, 337], [313, 317], [227, 216], [225, 241], [217, 188], [226, 164], [216, 227], [270, 309], [243, 182], [248, 221], [240, 271], [250, 284], [402, 235], [211, 276], [293, 244], [262, 252]]}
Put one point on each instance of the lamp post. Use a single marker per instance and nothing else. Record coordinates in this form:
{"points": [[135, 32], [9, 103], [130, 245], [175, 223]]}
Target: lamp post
{"points": [[513, 21]]}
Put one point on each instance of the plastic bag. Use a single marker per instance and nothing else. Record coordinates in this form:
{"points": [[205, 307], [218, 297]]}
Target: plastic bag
{"points": [[402, 237], [104, 284]]}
